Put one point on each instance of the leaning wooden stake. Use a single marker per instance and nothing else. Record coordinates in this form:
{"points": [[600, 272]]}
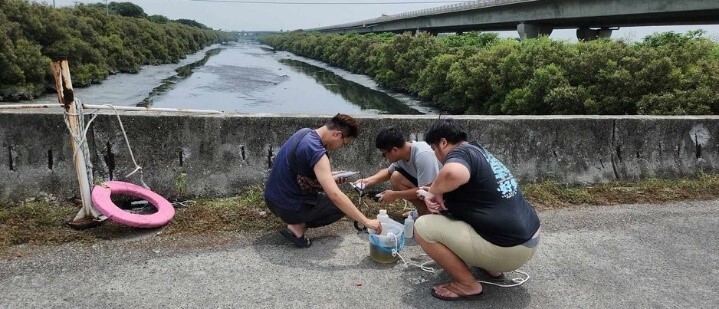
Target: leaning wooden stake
{"points": [[87, 216]]}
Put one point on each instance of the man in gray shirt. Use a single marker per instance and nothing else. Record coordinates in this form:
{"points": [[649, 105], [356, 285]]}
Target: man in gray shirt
{"points": [[413, 165]]}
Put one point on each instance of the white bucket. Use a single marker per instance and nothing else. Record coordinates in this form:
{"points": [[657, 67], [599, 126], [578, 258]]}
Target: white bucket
{"points": [[391, 238]]}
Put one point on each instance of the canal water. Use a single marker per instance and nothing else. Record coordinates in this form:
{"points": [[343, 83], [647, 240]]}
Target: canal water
{"points": [[250, 78]]}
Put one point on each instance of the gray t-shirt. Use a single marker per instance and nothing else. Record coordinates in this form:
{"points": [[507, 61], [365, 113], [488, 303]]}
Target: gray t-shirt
{"points": [[422, 164]]}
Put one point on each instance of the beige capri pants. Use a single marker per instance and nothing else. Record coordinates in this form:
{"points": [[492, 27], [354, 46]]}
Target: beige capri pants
{"points": [[474, 250]]}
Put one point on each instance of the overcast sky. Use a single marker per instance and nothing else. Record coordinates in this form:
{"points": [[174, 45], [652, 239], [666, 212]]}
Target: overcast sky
{"points": [[232, 15]]}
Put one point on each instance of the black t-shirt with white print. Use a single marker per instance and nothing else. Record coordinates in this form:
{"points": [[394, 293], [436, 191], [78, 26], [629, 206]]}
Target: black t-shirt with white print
{"points": [[490, 201]]}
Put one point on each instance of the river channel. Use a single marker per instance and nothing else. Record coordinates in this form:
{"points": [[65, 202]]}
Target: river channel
{"points": [[250, 78]]}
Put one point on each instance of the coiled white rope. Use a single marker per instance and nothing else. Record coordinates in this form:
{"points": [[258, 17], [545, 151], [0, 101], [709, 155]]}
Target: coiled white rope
{"points": [[129, 149], [514, 281], [83, 137], [422, 266]]}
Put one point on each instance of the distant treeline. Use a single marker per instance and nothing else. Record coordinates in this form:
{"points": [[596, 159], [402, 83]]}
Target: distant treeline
{"points": [[97, 40], [479, 73]]}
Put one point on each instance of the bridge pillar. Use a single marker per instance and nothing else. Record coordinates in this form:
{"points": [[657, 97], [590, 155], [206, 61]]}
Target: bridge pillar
{"points": [[604, 33], [531, 31], [586, 34]]}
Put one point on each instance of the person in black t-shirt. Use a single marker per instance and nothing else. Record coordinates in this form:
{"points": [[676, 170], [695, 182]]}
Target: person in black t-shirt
{"points": [[479, 216]]}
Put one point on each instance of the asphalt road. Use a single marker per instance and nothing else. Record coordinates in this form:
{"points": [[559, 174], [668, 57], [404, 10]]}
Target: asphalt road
{"points": [[627, 256]]}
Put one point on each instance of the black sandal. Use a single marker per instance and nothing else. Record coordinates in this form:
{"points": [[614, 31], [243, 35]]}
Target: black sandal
{"points": [[301, 242]]}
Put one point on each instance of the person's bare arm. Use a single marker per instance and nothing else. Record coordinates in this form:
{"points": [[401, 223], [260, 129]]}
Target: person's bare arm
{"points": [[450, 177], [324, 176], [379, 177], [390, 196]]}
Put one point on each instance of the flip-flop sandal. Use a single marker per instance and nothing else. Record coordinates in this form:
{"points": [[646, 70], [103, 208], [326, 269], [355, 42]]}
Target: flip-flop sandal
{"points": [[301, 242], [434, 288], [458, 297]]}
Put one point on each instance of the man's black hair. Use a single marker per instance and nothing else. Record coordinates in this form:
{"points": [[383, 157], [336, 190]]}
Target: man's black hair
{"points": [[389, 137], [448, 129], [345, 123]]}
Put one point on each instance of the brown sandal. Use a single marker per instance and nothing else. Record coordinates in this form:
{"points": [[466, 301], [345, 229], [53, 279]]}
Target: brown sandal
{"points": [[458, 297]]}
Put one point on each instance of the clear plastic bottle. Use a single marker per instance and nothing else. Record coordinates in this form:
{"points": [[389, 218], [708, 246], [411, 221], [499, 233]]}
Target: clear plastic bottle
{"points": [[409, 227]]}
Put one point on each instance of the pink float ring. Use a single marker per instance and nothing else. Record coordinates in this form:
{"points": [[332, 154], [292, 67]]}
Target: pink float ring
{"points": [[101, 199]]}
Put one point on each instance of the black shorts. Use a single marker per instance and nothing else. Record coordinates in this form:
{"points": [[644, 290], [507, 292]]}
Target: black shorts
{"points": [[409, 177], [314, 213]]}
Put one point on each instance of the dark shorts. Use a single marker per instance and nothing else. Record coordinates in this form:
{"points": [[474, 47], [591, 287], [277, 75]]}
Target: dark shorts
{"points": [[409, 177], [315, 213]]}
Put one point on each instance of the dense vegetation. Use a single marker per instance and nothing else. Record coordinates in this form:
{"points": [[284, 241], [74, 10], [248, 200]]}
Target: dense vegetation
{"points": [[479, 73], [97, 40]]}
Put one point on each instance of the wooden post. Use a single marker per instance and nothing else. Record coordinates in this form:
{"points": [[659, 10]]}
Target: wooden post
{"points": [[87, 216]]}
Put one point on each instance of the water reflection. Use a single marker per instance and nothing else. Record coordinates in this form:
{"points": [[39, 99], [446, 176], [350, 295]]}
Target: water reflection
{"points": [[352, 92], [183, 72], [250, 78]]}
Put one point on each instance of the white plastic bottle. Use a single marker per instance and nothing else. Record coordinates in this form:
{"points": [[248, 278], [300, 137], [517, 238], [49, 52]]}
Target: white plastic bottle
{"points": [[383, 217], [382, 214], [409, 227]]}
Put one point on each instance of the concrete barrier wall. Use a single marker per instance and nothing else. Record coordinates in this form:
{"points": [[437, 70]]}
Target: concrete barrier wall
{"points": [[220, 155]]}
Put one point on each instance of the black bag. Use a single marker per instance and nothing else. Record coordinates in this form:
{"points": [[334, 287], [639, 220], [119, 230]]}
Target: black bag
{"points": [[308, 186]]}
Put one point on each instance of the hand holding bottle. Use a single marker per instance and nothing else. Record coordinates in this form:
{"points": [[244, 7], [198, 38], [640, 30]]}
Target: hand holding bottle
{"points": [[361, 183], [374, 225], [435, 203], [388, 196]]}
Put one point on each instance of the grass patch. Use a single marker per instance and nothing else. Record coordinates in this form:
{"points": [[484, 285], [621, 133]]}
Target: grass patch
{"points": [[43, 222], [556, 195], [35, 223]]}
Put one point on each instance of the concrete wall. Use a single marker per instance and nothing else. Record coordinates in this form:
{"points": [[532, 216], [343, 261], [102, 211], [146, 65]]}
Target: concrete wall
{"points": [[220, 155]]}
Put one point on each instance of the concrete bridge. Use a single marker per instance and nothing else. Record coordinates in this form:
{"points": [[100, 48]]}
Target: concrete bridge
{"points": [[532, 18]]}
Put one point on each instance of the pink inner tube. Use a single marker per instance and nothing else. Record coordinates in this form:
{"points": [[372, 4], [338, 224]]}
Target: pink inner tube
{"points": [[103, 203]]}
